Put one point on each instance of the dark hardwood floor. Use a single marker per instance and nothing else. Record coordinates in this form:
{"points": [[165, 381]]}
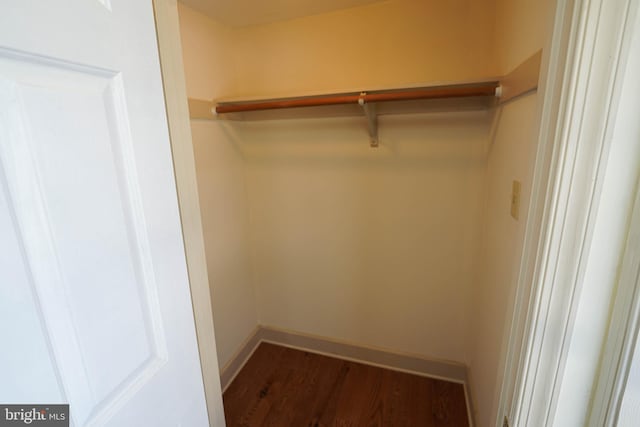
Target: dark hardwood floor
{"points": [[282, 387]]}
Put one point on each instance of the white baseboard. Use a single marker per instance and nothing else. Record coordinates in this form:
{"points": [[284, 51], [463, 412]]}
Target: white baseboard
{"points": [[237, 362], [442, 370]]}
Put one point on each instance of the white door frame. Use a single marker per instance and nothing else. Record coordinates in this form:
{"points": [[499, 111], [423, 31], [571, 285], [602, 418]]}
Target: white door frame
{"points": [[620, 349], [623, 333], [580, 90], [168, 30]]}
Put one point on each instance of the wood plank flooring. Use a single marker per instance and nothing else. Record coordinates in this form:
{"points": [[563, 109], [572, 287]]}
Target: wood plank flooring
{"points": [[282, 387]]}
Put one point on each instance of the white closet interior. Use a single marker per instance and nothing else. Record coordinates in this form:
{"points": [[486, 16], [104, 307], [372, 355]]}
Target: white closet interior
{"points": [[408, 247]]}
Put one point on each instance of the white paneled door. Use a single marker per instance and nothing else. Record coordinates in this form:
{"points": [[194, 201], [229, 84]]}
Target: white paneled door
{"points": [[95, 309]]}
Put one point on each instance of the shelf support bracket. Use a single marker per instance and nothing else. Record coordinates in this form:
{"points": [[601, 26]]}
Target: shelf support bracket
{"points": [[372, 119]]}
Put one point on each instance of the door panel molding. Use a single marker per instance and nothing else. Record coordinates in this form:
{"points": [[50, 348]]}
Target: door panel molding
{"points": [[96, 395]]}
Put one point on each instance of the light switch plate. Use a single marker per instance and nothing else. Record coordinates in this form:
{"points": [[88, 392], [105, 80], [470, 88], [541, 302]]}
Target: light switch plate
{"points": [[515, 200]]}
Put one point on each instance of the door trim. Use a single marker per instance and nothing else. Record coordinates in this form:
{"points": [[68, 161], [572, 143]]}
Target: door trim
{"points": [[624, 328], [623, 332], [170, 49], [580, 94]]}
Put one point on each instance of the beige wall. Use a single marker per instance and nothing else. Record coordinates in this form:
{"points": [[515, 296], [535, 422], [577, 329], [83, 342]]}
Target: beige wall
{"points": [[390, 43], [208, 51], [511, 158], [521, 29], [370, 246], [408, 247], [375, 247], [221, 182]]}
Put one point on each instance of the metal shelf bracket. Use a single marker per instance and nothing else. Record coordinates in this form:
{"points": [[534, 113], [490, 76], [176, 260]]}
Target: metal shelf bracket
{"points": [[372, 119]]}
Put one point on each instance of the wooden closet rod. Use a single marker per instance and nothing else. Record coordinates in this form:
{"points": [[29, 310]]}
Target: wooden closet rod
{"points": [[436, 92]]}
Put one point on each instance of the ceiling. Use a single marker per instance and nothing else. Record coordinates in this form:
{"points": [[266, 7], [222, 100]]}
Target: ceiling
{"points": [[240, 13]]}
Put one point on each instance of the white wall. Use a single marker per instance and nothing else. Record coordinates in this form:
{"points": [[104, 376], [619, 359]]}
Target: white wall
{"points": [[222, 187]]}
